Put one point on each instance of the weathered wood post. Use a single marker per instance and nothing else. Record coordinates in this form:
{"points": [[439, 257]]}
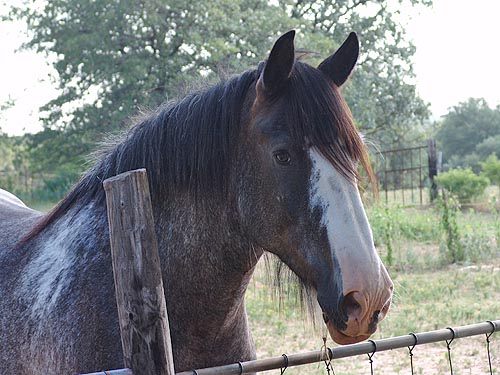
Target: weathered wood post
{"points": [[140, 297], [433, 170]]}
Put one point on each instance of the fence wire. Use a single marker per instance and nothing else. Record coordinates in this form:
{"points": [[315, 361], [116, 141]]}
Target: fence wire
{"points": [[369, 348]]}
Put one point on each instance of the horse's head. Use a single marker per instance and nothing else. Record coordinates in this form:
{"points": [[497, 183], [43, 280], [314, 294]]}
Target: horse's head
{"points": [[299, 198]]}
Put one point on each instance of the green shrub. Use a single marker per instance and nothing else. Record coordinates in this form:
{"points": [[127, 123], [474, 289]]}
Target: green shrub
{"points": [[463, 183], [491, 169]]}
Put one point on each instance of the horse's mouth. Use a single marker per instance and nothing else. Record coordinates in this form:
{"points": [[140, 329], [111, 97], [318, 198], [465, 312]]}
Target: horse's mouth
{"points": [[341, 338]]}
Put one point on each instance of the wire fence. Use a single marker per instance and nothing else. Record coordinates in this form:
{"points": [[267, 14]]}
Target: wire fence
{"points": [[369, 348]]}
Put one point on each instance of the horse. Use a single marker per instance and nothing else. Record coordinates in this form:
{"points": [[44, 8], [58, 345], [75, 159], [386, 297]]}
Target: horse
{"points": [[263, 162]]}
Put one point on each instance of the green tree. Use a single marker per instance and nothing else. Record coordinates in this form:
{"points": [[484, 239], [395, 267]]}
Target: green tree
{"points": [[384, 104], [123, 55], [490, 145], [469, 133]]}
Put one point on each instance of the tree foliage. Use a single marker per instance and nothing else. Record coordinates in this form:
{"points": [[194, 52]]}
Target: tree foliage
{"points": [[384, 103], [113, 57], [469, 133], [14, 164]]}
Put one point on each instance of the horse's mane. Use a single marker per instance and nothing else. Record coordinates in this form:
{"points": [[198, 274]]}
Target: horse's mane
{"points": [[176, 142], [187, 144]]}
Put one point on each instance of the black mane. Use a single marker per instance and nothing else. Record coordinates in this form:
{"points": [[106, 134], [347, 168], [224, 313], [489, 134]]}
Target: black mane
{"points": [[184, 144], [187, 144], [180, 140]]}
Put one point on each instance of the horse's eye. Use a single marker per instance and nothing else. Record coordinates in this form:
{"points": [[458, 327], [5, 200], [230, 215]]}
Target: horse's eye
{"points": [[282, 157]]}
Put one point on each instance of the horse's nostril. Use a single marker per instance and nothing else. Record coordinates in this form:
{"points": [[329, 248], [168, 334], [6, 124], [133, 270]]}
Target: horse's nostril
{"points": [[352, 305]]}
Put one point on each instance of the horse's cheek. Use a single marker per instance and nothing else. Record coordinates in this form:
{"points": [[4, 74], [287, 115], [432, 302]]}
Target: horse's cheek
{"points": [[258, 213]]}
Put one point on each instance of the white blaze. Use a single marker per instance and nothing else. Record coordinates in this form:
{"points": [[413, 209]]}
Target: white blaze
{"points": [[345, 220]]}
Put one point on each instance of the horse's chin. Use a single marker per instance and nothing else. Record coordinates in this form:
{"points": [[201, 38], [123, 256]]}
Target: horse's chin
{"points": [[341, 338]]}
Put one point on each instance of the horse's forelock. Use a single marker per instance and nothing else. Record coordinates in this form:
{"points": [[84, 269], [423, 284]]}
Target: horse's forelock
{"points": [[320, 114]]}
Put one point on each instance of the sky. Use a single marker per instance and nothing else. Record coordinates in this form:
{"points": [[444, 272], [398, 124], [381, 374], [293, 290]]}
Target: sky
{"points": [[457, 57], [458, 52]]}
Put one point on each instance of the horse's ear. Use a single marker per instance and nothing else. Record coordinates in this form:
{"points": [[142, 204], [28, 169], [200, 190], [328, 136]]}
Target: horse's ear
{"points": [[279, 64], [339, 65]]}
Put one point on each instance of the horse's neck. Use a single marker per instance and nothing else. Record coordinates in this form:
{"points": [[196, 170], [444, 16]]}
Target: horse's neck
{"points": [[207, 267], [207, 264], [58, 250]]}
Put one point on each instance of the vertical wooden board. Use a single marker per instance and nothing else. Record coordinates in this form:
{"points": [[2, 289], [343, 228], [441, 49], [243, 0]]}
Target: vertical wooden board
{"points": [[139, 289]]}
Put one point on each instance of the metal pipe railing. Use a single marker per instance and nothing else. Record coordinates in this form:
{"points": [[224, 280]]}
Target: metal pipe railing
{"points": [[366, 347]]}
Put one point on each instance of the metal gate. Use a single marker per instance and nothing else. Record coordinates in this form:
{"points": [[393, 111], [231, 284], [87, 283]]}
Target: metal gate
{"points": [[406, 175]]}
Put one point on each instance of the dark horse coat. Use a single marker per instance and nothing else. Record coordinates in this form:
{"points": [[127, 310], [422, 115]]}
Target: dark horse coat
{"points": [[265, 161]]}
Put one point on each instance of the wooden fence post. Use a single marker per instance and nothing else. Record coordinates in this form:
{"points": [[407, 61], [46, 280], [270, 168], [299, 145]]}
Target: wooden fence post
{"points": [[140, 297], [433, 170]]}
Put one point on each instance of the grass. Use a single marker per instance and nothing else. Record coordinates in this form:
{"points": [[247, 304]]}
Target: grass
{"points": [[405, 196], [430, 293], [414, 240]]}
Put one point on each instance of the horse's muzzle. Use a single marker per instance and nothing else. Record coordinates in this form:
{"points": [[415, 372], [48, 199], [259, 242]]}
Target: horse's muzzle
{"points": [[362, 318]]}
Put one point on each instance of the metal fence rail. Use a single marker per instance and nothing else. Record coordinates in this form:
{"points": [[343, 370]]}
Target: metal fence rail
{"points": [[366, 347]]}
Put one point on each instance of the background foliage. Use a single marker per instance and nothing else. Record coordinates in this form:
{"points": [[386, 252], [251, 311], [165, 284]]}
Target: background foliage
{"points": [[491, 169], [469, 133], [113, 58]]}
